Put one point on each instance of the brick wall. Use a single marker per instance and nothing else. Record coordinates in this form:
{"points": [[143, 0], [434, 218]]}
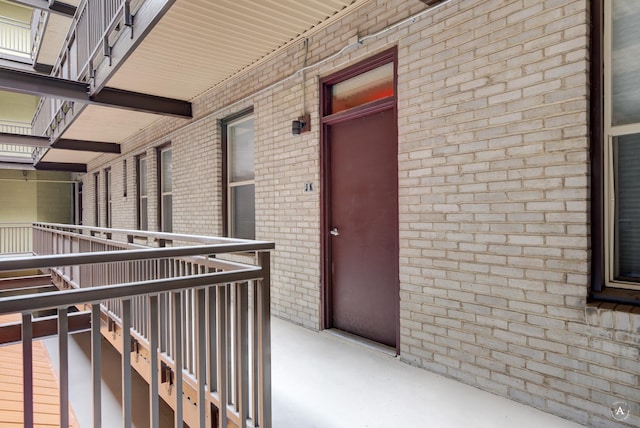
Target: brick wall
{"points": [[493, 103]]}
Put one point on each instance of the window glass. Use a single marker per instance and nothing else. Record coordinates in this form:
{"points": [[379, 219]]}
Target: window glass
{"points": [[625, 61], [108, 192], [243, 211], [370, 86], [166, 186], [240, 184], [167, 213], [240, 135], [96, 180], [143, 214], [626, 152], [166, 171], [142, 173]]}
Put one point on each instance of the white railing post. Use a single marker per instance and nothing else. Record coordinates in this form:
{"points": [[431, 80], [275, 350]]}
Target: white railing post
{"points": [[177, 356], [154, 402]]}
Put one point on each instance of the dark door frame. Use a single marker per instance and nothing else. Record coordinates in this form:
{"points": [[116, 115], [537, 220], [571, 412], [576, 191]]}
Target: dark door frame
{"points": [[327, 119]]}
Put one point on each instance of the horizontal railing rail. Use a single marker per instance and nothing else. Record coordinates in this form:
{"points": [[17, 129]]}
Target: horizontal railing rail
{"points": [[195, 314]]}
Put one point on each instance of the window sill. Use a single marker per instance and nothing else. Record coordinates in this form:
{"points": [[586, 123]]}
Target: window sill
{"points": [[615, 316]]}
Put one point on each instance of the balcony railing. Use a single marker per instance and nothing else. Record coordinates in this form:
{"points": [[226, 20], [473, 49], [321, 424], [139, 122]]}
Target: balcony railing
{"points": [[94, 29], [15, 39], [12, 150], [189, 313]]}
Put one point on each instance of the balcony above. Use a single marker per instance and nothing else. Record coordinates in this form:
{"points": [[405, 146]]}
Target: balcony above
{"points": [[167, 49]]}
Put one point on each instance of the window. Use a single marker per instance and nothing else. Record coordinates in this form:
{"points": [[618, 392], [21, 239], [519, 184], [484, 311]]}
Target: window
{"points": [[142, 203], [239, 177], [364, 88], [166, 189], [621, 142], [124, 178], [107, 196], [96, 210]]}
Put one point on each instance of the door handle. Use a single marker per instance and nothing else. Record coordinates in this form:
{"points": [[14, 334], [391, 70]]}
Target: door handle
{"points": [[334, 231]]}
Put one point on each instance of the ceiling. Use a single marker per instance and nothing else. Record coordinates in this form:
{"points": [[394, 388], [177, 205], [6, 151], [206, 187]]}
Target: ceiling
{"points": [[196, 45]]}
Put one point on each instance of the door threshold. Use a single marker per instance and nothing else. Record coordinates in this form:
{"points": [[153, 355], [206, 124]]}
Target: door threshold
{"points": [[367, 343]]}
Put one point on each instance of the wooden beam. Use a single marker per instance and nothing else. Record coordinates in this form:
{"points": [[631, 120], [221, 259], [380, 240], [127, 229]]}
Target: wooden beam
{"points": [[44, 327], [24, 282]]}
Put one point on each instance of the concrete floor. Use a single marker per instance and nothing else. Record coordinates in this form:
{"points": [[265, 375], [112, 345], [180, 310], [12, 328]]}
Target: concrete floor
{"points": [[325, 381], [321, 380]]}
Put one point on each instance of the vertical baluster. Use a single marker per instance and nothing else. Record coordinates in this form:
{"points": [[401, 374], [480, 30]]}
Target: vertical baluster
{"points": [[96, 365], [177, 359], [63, 351], [27, 369], [127, 402], [202, 353], [255, 364], [242, 347], [154, 404], [221, 338], [263, 331], [213, 340]]}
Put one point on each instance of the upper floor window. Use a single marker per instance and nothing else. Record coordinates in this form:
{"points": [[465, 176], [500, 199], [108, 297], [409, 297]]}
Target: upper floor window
{"points": [[96, 208], [142, 205], [166, 189], [108, 197], [621, 49], [238, 146]]}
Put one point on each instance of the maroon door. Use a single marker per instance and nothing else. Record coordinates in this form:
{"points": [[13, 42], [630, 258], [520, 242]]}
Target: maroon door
{"points": [[364, 292]]}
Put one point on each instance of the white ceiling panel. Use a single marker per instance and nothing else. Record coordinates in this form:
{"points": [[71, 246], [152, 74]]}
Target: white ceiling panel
{"points": [[108, 125], [69, 156], [199, 43]]}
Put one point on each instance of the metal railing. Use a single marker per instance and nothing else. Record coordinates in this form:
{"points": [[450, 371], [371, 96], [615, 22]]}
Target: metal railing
{"points": [[192, 310], [95, 26], [13, 150], [15, 238], [15, 38]]}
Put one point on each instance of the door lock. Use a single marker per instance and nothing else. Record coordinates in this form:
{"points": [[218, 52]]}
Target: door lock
{"points": [[334, 231]]}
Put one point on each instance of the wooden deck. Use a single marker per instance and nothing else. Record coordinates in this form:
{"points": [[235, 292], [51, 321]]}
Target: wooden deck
{"points": [[45, 385]]}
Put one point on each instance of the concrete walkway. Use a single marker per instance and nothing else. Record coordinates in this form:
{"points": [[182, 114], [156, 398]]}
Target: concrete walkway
{"points": [[324, 381]]}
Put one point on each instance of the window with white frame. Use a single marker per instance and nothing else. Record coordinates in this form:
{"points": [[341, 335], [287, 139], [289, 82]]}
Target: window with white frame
{"points": [[142, 208], [238, 142], [166, 189], [622, 143]]}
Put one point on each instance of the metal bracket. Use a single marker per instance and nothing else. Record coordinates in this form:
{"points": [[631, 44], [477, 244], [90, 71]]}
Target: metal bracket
{"points": [[111, 326], [128, 17], [135, 347], [107, 49], [167, 376]]}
